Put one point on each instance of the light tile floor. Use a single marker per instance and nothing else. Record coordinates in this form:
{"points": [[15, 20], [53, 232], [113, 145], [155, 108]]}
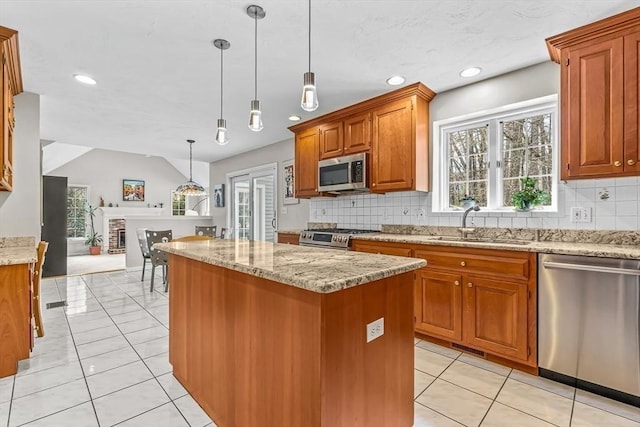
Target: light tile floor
{"points": [[104, 362]]}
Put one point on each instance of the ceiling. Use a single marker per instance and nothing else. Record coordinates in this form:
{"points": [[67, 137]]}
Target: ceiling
{"points": [[158, 73]]}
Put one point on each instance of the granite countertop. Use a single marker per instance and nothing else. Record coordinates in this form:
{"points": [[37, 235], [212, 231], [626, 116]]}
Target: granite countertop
{"points": [[17, 250], [600, 243], [567, 248], [317, 270]]}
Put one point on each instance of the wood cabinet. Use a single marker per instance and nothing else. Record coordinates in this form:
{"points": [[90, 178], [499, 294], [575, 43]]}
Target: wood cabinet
{"points": [[393, 128], [482, 299], [599, 97], [11, 85], [351, 136], [15, 321], [306, 163], [291, 238]]}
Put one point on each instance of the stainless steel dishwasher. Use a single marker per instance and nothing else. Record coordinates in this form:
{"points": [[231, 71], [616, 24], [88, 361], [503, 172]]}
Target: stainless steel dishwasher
{"points": [[589, 323]]}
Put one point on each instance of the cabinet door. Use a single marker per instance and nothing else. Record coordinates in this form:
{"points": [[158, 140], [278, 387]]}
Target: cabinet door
{"points": [[632, 102], [306, 163], [592, 115], [393, 147], [357, 134], [6, 129], [438, 304], [495, 316], [331, 140]]}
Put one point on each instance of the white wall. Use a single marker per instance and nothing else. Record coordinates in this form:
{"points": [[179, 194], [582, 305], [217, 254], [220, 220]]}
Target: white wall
{"points": [[369, 211], [289, 216], [104, 170], [20, 209]]}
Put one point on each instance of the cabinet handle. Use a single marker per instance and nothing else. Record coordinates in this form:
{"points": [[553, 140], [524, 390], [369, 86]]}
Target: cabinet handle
{"points": [[373, 185], [457, 283], [470, 285], [631, 162], [617, 163], [462, 263]]}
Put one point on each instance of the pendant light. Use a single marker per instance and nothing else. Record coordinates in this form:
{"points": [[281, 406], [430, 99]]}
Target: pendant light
{"points": [[309, 95], [191, 188], [221, 134], [255, 116]]}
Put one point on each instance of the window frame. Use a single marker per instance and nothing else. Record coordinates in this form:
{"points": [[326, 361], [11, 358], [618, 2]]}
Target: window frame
{"points": [[86, 215], [492, 118]]}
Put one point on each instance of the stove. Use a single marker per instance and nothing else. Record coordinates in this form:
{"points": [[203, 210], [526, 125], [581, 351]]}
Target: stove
{"points": [[330, 238]]}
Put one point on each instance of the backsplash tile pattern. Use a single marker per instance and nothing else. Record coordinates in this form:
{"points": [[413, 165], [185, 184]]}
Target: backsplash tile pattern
{"points": [[613, 202]]}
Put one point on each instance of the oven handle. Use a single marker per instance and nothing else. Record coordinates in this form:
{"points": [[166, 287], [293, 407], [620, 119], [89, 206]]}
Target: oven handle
{"points": [[590, 267], [311, 245]]}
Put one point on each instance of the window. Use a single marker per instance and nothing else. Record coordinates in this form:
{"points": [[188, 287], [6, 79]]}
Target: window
{"points": [[177, 204], [77, 203], [487, 154]]}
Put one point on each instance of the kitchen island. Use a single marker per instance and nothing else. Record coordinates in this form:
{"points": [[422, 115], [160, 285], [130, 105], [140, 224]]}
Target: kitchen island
{"points": [[266, 334]]}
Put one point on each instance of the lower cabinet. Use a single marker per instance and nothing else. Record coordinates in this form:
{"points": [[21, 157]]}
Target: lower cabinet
{"points": [[483, 299], [291, 238]]}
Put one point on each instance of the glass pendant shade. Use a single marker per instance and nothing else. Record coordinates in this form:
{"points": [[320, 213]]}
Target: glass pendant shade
{"points": [[190, 188], [309, 96], [221, 134], [255, 117]]}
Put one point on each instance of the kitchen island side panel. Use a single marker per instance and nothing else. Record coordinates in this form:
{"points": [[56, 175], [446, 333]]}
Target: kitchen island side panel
{"points": [[254, 352]]}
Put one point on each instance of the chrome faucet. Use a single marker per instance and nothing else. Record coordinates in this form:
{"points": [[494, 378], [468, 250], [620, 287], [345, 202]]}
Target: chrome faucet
{"points": [[464, 230]]}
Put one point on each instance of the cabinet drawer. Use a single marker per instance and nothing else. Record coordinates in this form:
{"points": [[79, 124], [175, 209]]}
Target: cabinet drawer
{"points": [[515, 267], [381, 248]]}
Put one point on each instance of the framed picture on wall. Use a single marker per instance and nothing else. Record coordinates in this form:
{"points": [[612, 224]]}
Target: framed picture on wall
{"points": [[218, 195], [289, 189], [132, 190]]}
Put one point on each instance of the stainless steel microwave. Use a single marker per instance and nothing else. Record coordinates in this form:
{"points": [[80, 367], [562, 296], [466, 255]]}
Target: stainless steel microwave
{"points": [[346, 173]]}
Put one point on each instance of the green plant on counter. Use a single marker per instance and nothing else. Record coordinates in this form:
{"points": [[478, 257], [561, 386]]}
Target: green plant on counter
{"points": [[529, 195]]}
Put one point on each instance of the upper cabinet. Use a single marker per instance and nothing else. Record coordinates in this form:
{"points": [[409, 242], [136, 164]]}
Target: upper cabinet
{"points": [[393, 128], [600, 97], [11, 85]]}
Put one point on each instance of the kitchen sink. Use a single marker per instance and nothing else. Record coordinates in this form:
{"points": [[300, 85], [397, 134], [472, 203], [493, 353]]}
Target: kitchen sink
{"points": [[445, 239]]}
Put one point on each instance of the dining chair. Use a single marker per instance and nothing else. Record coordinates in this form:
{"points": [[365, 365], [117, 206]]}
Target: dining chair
{"points": [[35, 300], [206, 230], [192, 238], [144, 248], [158, 257]]}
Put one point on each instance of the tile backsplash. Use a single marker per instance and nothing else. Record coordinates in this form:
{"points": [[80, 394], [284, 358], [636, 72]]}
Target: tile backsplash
{"points": [[613, 204]]}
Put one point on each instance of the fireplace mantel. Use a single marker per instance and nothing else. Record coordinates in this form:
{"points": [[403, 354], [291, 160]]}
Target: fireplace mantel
{"points": [[124, 213]]}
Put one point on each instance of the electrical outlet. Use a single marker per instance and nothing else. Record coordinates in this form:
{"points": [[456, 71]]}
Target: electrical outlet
{"points": [[353, 203], [405, 211], [323, 211], [284, 211], [385, 213], [375, 329], [580, 214], [419, 213]]}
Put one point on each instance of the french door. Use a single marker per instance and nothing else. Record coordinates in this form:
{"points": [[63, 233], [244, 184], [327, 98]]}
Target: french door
{"points": [[253, 203]]}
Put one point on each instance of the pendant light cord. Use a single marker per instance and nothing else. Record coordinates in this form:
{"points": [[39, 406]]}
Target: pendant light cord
{"points": [[255, 58], [190, 161], [309, 35], [221, 80]]}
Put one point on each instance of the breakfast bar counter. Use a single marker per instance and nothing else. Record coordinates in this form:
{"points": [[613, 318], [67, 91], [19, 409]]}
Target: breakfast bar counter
{"points": [[265, 334]]}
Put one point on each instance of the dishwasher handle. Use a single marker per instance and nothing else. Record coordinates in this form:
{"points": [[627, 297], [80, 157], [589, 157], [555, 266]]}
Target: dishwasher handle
{"points": [[590, 267]]}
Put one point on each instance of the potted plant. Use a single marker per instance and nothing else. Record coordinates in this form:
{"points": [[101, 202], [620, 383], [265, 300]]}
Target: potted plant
{"points": [[529, 195], [94, 240]]}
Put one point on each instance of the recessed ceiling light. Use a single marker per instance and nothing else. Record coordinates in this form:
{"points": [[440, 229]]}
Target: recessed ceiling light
{"points": [[83, 78], [395, 80], [294, 118], [470, 72]]}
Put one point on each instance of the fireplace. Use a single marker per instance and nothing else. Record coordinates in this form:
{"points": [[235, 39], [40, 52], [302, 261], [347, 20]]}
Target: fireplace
{"points": [[121, 239], [116, 236]]}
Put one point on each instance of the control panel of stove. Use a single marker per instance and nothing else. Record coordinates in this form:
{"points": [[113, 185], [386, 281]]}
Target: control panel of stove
{"points": [[329, 238]]}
